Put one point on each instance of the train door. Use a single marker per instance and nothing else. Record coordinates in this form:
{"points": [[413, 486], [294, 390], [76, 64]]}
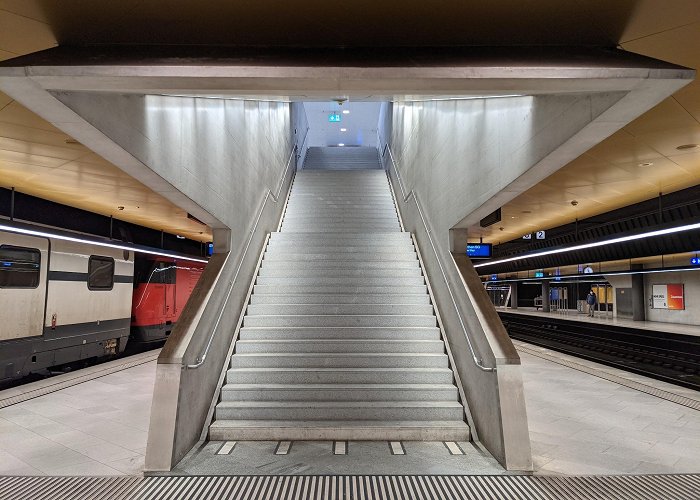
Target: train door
{"points": [[24, 262]]}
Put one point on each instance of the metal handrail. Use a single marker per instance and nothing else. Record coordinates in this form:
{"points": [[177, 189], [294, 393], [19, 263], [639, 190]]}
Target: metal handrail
{"points": [[275, 197], [414, 195]]}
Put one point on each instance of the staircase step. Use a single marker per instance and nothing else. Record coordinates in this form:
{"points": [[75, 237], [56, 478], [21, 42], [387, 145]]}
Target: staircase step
{"points": [[339, 392], [376, 320], [281, 250], [342, 280], [339, 346], [339, 264], [339, 410], [284, 333], [339, 360], [339, 376], [345, 289], [335, 299], [414, 272], [357, 430], [402, 236], [359, 257], [338, 309]]}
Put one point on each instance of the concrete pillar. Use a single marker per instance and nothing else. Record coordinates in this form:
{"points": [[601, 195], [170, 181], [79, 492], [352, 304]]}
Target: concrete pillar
{"points": [[514, 295], [545, 296], [638, 300]]}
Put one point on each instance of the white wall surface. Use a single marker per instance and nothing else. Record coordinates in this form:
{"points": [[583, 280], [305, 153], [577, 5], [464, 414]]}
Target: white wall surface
{"points": [[462, 154], [220, 154]]}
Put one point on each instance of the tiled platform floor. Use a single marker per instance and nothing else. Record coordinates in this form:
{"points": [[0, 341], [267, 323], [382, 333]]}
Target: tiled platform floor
{"points": [[94, 428], [579, 424]]}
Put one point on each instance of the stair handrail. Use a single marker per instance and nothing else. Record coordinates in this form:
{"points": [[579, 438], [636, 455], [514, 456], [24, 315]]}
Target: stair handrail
{"points": [[412, 194], [199, 361]]}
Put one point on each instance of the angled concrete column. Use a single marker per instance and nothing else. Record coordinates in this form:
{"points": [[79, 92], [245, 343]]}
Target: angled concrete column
{"points": [[546, 303], [513, 295], [639, 311]]}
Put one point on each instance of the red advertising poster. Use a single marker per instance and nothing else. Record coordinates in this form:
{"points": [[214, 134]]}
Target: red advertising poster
{"points": [[674, 296]]}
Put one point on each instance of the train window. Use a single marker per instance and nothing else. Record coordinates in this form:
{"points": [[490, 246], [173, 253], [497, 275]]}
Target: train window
{"points": [[19, 267], [100, 273]]}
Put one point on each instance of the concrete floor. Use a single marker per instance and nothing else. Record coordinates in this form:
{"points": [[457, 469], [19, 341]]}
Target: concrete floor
{"points": [[579, 424], [317, 458]]}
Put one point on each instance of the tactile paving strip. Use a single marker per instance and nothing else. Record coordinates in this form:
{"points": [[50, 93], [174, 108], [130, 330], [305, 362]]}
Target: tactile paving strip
{"points": [[33, 390], [506, 487]]}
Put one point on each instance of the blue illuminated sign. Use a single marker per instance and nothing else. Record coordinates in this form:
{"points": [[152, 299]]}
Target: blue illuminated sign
{"points": [[539, 274], [494, 277], [695, 261], [334, 117], [210, 249], [479, 250]]}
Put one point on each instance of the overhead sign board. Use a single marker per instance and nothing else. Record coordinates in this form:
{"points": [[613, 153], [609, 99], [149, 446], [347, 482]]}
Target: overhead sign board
{"points": [[539, 274], [540, 235], [334, 117], [695, 261], [479, 250], [528, 236], [669, 296]]}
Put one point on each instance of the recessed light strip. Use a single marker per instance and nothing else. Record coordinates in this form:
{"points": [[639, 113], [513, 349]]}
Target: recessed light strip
{"points": [[461, 98], [561, 279], [132, 248], [621, 239]]}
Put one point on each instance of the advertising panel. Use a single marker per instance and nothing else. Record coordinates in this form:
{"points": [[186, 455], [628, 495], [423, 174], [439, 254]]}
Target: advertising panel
{"points": [[669, 296]]}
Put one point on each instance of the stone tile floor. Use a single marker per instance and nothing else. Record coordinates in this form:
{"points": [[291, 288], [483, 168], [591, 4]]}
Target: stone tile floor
{"points": [[579, 424]]}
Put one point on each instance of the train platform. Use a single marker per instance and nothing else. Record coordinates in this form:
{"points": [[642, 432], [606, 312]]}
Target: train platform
{"points": [[601, 318], [584, 419]]}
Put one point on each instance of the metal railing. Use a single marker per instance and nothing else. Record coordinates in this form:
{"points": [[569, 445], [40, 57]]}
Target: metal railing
{"points": [[275, 197], [412, 194]]}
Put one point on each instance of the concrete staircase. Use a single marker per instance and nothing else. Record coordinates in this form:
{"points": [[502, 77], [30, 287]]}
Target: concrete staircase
{"points": [[342, 158], [340, 341]]}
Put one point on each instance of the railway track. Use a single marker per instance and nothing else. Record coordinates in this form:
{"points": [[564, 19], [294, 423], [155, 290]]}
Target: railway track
{"points": [[664, 356]]}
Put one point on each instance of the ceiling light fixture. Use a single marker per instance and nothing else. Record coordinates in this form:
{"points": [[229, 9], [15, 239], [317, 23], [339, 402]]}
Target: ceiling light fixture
{"points": [[346, 111], [683, 147], [463, 98], [563, 278], [343, 130], [63, 237], [645, 164], [621, 239], [341, 144]]}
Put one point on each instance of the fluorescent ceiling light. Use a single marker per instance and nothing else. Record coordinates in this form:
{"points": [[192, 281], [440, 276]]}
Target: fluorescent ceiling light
{"points": [[621, 239], [343, 130], [341, 144], [224, 98], [562, 279], [346, 111], [47, 234], [462, 98]]}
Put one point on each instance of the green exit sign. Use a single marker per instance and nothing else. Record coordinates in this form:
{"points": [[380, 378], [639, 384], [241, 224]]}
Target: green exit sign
{"points": [[334, 117]]}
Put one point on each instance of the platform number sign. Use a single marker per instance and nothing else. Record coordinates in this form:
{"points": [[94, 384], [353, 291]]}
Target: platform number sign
{"points": [[528, 236], [540, 235]]}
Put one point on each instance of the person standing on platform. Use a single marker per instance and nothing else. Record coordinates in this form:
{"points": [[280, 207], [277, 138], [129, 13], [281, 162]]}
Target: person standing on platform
{"points": [[590, 300]]}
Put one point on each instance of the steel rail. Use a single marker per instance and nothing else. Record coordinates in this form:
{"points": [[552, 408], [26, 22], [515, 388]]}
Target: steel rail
{"points": [[412, 194]]}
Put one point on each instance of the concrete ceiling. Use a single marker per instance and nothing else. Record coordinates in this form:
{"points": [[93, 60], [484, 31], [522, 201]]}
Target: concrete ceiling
{"points": [[41, 160]]}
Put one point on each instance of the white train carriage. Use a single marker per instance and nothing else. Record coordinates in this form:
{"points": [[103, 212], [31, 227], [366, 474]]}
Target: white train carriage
{"points": [[60, 302]]}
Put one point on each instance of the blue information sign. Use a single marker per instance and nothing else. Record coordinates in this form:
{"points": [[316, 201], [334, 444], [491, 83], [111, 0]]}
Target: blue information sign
{"points": [[695, 261], [479, 250], [334, 117]]}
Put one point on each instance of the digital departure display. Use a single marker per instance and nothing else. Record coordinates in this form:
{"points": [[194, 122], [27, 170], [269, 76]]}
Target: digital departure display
{"points": [[479, 250]]}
